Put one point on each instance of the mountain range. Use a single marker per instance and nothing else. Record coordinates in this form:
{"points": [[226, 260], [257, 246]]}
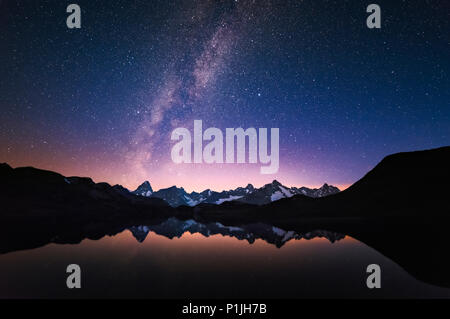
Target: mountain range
{"points": [[268, 193], [400, 208], [402, 184]]}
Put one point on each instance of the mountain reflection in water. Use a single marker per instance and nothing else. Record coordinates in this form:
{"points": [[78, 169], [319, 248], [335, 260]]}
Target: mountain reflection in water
{"points": [[174, 227], [186, 259]]}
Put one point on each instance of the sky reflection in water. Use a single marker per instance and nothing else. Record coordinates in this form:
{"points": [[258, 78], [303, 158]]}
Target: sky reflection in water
{"points": [[198, 266]]}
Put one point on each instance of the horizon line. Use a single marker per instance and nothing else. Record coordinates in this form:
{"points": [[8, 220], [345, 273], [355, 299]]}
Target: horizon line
{"points": [[341, 187]]}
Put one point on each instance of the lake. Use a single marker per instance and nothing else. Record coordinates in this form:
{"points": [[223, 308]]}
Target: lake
{"points": [[187, 259]]}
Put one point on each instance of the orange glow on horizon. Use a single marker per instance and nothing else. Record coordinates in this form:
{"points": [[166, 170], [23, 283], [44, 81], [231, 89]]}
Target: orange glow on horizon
{"points": [[191, 177]]}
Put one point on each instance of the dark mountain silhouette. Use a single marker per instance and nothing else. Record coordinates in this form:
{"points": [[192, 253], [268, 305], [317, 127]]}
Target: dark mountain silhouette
{"points": [[400, 208], [31, 194], [145, 189], [274, 191], [174, 196], [177, 196], [226, 196], [403, 184], [412, 184]]}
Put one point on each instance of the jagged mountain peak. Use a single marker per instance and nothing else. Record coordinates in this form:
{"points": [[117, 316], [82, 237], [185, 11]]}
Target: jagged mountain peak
{"points": [[325, 190], [276, 183], [177, 196], [146, 184], [206, 191], [145, 189]]}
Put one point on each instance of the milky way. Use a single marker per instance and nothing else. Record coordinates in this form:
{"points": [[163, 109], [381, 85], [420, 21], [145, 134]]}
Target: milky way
{"points": [[103, 100]]}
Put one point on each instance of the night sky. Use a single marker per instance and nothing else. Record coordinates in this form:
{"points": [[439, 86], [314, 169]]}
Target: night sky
{"points": [[102, 101]]}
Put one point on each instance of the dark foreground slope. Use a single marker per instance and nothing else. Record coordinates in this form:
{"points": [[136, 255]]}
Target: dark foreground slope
{"points": [[30, 194], [413, 184], [403, 184]]}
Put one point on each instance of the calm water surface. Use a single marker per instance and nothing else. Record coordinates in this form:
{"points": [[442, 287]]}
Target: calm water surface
{"points": [[189, 261]]}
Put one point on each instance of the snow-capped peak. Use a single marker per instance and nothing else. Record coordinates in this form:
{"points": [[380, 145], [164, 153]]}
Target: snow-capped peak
{"points": [[145, 189], [175, 196]]}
